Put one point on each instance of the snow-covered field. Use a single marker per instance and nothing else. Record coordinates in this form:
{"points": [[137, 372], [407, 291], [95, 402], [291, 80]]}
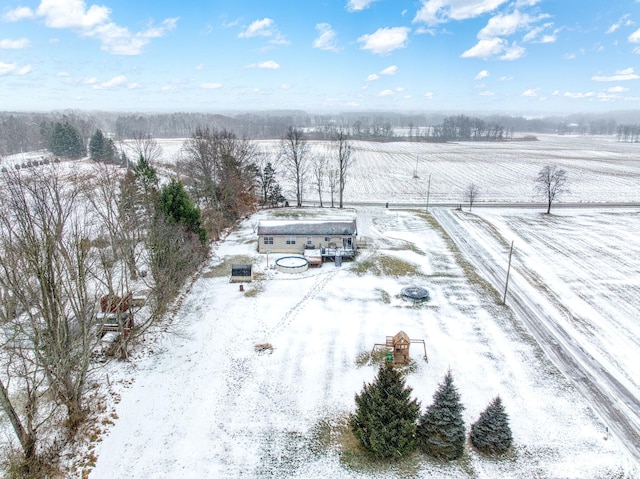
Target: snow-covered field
{"points": [[203, 403]]}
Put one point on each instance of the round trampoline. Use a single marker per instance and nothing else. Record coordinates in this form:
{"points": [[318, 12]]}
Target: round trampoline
{"points": [[292, 264], [415, 293]]}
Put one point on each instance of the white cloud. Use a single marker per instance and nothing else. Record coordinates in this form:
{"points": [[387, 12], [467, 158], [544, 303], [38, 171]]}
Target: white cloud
{"points": [[392, 70], [211, 86], [327, 39], [357, 5], [285, 86], [384, 93], [113, 83], [134, 86], [373, 77], [428, 95], [579, 94], [267, 65], [385, 40], [199, 66], [486, 93], [433, 12], [620, 75], [485, 48], [63, 74], [617, 89], [13, 69], [93, 22], [482, 75], [72, 14], [634, 37], [492, 38], [505, 25], [625, 20], [19, 44], [513, 53], [530, 92], [17, 14], [266, 28], [259, 28]]}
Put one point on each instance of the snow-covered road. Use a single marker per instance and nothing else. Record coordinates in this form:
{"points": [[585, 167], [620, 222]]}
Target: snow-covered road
{"points": [[615, 399]]}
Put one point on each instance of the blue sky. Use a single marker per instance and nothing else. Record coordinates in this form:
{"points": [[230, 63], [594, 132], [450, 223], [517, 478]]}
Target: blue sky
{"points": [[518, 56]]}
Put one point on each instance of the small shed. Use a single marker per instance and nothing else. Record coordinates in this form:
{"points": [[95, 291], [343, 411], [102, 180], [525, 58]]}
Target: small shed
{"points": [[241, 273]]}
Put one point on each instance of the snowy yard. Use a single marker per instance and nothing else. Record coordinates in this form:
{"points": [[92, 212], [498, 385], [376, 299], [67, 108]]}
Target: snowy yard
{"points": [[204, 403], [200, 401]]}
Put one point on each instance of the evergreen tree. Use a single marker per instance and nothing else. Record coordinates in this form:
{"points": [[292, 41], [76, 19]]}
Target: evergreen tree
{"points": [[101, 147], [64, 140], [491, 433], [146, 174], [179, 207], [441, 430], [96, 145], [385, 419], [275, 196]]}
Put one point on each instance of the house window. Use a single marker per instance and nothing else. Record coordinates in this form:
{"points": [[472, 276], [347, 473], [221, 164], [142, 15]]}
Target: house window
{"points": [[309, 241], [327, 238], [291, 240], [268, 240]]}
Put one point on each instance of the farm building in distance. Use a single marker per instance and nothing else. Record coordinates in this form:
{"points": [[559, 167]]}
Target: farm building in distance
{"points": [[332, 238]]}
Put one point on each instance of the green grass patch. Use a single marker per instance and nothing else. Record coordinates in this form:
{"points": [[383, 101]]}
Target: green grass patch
{"points": [[383, 265]]}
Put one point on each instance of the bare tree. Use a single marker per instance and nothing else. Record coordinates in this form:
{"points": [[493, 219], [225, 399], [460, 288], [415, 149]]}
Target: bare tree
{"points": [[471, 194], [145, 146], [332, 182], [551, 182], [47, 267], [344, 154], [294, 153], [220, 171], [319, 169]]}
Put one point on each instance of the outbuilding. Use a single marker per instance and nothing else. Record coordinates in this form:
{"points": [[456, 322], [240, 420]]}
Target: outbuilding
{"points": [[241, 273]]}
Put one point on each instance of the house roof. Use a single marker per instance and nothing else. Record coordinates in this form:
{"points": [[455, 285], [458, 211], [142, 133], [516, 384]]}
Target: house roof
{"points": [[308, 227]]}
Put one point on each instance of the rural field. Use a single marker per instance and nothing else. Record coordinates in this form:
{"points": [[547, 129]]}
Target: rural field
{"points": [[199, 401]]}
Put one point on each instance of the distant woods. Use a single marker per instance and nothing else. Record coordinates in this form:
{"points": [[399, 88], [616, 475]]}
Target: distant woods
{"points": [[29, 131]]}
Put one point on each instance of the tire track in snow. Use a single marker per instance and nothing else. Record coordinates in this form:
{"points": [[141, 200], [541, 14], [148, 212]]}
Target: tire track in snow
{"points": [[613, 401]]}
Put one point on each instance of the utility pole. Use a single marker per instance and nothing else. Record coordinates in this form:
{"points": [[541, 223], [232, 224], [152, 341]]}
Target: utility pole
{"points": [[506, 284], [428, 191]]}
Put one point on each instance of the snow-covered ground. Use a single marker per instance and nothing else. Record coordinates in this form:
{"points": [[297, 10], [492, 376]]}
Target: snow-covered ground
{"points": [[201, 402]]}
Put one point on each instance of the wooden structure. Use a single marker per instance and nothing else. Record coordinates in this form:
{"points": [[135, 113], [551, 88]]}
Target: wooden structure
{"points": [[397, 348], [116, 314], [330, 237], [241, 273]]}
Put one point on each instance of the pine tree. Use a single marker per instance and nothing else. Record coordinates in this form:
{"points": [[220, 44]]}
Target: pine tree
{"points": [[491, 433], [96, 145], [385, 419], [178, 207], [64, 140], [101, 147], [441, 430]]}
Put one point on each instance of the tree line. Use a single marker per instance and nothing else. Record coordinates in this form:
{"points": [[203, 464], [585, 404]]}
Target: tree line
{"points": [[73, 239], [26, 131]]}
